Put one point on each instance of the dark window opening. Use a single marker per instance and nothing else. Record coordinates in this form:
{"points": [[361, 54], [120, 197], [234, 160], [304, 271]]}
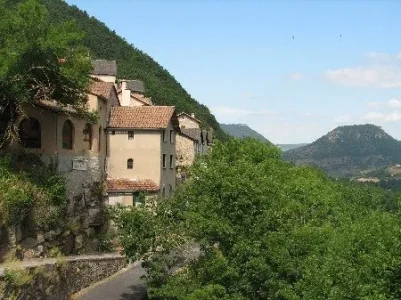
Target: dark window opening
{"points": [[171, 136], [130, 163], [171, 161], [68, 135], [130, 135], [30, 133], [87, 132], [164, 160]]}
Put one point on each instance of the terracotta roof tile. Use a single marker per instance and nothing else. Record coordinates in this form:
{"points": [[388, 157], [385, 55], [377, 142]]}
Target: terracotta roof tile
{"points": [[131, 185], [102, 89], [142, 117]]}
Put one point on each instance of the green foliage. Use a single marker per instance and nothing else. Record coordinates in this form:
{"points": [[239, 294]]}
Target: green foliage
{"points": [[30, 189], [104, 43], [30, 66], [268, 230], [348, 150], [243, 130]]}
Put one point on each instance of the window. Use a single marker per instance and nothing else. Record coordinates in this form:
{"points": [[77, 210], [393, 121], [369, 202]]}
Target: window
{"points": [[30, 133], [68, 135], [99, 144], [164, 192], [87, 132], [171, 161], [113, 132], [130, 163], [171, 136], [136, 199], [170, 192], [164, 135], [164, 160], [130, 135]]}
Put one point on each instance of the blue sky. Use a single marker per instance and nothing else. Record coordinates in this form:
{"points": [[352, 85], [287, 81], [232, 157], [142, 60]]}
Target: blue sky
{"points": [[239, 58]]}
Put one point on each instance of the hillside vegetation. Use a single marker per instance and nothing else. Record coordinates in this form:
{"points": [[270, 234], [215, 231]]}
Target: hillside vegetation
{"points": [[242, 130], [348, 150], [268, 230], [132, 62]]}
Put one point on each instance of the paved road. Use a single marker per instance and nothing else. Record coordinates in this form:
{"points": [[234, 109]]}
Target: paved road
{"points": [[126, 285]]}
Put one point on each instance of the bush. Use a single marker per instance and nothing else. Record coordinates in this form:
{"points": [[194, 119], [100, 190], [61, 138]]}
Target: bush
{"points": [[29, 188]]}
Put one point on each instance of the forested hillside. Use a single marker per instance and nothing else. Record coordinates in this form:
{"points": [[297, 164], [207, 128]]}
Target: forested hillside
{"points": [[268, 230], [348, 150], [132, 62], [242, 130]]}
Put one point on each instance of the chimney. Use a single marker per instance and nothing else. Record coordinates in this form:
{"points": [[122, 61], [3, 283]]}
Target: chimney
{"points": [[193, 115], [125, 94]]}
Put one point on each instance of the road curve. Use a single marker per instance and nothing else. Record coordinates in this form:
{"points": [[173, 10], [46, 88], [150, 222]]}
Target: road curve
{"points": [[126, 285]]}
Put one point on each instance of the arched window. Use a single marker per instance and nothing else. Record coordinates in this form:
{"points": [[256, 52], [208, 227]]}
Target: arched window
{"points": [[87, 132], [130, 163], [30, 133], [68, 135]]}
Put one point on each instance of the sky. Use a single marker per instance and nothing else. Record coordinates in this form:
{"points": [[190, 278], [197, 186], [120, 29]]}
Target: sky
{"points": [[292, 70]]}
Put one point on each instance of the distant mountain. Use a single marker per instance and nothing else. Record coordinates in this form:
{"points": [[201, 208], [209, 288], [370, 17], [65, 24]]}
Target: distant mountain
{"points": [[241, 131], [286, 147], [348, 150]]}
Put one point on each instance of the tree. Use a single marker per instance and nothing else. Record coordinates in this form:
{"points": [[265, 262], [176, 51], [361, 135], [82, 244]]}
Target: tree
{"points": [[38, 61], [269, 230]]}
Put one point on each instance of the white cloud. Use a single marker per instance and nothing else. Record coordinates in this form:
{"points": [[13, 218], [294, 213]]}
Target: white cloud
{"points": [[343, 119], [296, 76], [373, 116], [373, 104], [379, 117], [379, 56], [394, 103], [379, 76]]}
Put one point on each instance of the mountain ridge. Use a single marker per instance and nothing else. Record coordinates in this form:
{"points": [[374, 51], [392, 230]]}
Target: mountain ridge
{"points": [[348, 150], [243, 130]]}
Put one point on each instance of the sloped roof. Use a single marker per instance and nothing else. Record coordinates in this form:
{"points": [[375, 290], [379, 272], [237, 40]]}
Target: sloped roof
{"points": [[189, 116], [136, 86], [143, 117], [131, 185], [142, 98], [192, 133], [104, 67], [102, 89]]}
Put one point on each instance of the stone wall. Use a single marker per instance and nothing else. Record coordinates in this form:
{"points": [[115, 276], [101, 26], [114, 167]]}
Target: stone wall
{"points": [[185, 151], [57, 279]]}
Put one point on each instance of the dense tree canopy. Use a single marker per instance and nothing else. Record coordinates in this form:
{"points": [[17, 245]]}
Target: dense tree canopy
{"points": [[39, 61], [268, 230]]}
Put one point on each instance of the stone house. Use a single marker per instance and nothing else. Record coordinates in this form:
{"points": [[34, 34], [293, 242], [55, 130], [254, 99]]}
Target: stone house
{"points": [[61, 136], [131, 93], [141, 142], [192, 140]]}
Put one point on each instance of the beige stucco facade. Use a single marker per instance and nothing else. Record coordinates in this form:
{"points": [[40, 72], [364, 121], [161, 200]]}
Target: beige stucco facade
{"points": [[146, 149], [105, 78]]}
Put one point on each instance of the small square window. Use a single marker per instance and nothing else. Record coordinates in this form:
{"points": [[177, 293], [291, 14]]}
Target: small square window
{"points": [[130, 135], [113, 132]]}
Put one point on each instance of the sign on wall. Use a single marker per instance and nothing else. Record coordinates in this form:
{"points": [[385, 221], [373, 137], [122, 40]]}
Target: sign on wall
{"points": [[79, 164]]}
